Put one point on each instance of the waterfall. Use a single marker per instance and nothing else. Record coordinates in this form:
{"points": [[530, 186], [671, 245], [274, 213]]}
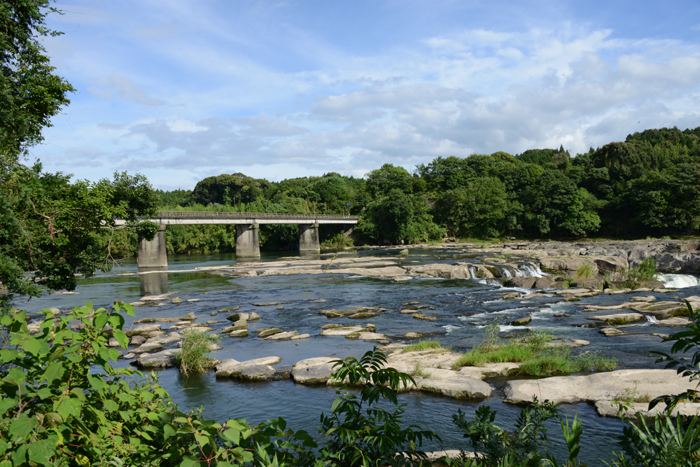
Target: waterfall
{"points": [[531, 270], [651, 319], [678, 281], [472, 272], [505, 273]]}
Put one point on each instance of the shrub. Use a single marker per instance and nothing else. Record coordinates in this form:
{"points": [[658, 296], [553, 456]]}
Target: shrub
{"points": [[192, 358]]}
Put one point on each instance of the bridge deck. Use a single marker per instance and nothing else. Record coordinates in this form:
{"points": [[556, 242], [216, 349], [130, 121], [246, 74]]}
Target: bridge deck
{"points": [[232, 218]]}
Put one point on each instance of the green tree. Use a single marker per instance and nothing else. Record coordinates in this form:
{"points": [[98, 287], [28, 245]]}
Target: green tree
{"points": [[30, 92]]}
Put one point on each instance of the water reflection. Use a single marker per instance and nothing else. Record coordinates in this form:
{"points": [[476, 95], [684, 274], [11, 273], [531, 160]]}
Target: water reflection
{"points": [[153, 281]]}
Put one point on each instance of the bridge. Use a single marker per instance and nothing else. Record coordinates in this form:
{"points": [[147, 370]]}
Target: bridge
{"points": [[152, 253]]}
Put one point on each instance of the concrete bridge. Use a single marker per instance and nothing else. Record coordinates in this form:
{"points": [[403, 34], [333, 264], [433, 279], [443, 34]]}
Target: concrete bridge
{"points": [[152, 254]]}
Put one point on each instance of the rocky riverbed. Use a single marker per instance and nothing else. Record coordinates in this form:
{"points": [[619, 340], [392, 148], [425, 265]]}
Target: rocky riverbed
{"points": [[538, 286]]}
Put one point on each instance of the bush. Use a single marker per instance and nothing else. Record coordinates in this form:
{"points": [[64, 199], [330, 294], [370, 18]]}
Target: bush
{"points": [[192, 357]]}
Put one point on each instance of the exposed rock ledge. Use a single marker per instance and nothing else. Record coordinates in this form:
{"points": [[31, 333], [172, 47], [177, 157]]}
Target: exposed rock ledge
{"points": [[607, 386]]}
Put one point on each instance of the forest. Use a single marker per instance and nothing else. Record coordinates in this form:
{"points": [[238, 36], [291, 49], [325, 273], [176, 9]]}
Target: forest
{"points": [[646, 186]]}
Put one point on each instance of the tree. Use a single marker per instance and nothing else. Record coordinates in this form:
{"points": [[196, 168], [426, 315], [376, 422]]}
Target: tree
{"points": [[49, 226], [30, 92]]}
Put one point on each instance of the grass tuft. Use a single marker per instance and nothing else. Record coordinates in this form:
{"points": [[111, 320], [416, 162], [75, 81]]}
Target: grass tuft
{"points": [[193, 355], [423, 345]]}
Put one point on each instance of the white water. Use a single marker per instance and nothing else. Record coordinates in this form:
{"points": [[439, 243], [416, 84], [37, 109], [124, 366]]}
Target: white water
{"points": [[678, 281], [530, 270]]}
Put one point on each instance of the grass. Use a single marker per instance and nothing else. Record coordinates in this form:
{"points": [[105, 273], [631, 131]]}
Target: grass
{"points": [[418, 370], [533, 355], [631, 395], [193, 356], [424, 345], [585, 271]]}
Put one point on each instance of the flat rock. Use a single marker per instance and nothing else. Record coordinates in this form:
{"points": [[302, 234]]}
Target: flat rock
{"points": [[267, 332], [619, 318], [603, 386], [281, 336], [300, 337], [675, 321], [142, 329], [612, 332], [313, 370], [442, 271], [147, 348], [457, 387], [521, 282], [231, 367], [408, 311], [509, 295], [341, 331], [521, 321], [608, 409], [239, 333], [164, 359]]}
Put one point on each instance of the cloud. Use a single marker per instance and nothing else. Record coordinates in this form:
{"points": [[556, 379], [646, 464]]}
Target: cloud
{"points": [[126, 89]]}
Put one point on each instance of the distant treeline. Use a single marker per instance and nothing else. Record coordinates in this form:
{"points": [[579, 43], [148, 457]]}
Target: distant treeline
{"points": [[648, 185]]}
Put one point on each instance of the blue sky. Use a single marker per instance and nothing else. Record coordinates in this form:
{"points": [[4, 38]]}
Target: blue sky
{"points": [[181, 90]]}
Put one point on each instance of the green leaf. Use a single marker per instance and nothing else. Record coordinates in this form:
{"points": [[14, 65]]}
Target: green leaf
{"points": [[19, 456], [41, 451], [21, 427], [45, 393], [168, 431], [100, 321], [119, 335], [67, 407], [3, 448], [33, 346], [6, 404], [111, 406], [189, 461], [53, 371], [232, 435], [15, 376]]}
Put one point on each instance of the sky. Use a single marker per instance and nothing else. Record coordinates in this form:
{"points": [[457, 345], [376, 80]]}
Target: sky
{"points": [[181, 90]]}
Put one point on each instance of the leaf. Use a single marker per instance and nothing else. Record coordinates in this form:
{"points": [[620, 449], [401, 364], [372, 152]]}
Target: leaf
{"points": [[33, 346], [111, 406], [6, 404], [119, 335], [188, 461], [100, 321], [19, 456], [41, 451], [21, 427], [168, 431], [53, 371]]}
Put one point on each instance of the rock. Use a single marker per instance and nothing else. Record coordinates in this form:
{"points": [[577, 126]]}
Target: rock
{"points": [[620, 318], [137, 340], [143, 329], [441, 271], [341, 330], [414, 335], [280, 307], [596, 387], [313, 370], [259, 369], [213, 313], [364, 315], [408, 311], [320, 300], [300, 337], [643, 298], [266, 332], [253, 316], [164, 359], [521, 321], [509, 295], [545, 283], [521, 282], [662, 310], [164, 340], [367, 336], [561, 315], [567, 264], [457, 387], [176, 301], [192, 300], [237, 326], [282, 335], [424, 317], [675, 321], [229, 310], [265, 304], [611, 332], [572, 299], [609, 409], [238, 317], [611, 264], [239, 333], [189, 317], [113, 342]]}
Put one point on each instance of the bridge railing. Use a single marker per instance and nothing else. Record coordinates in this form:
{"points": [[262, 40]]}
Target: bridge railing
{"points": [[247, 215]]}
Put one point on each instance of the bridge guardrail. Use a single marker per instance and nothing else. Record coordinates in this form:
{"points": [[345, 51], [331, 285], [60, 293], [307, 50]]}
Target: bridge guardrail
{"points": [[244, 215]]}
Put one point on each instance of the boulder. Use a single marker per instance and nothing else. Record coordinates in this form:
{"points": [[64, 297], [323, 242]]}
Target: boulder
{"points": [[164, 359], [341, 330], [238, 317], [545, 283], [509, 295], [282, 336], [521, 282], [229, 310], [239, 333], [176, 301], [313, 370], [611, 264], [424, 317], [567, 264], [442, 271], [610, 409], [675, 321], [456, 387], [267, 332], [521, 321], [147, 348], [604, 386]]}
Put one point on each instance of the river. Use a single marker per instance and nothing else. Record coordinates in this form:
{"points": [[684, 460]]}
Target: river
{"points": [[462, 309]]}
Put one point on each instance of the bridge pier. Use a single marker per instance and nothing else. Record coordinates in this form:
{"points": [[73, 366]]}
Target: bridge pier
{"points": [[247, 241], [152, 253], [308, 239]]}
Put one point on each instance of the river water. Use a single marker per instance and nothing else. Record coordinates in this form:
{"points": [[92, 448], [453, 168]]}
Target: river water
{"points": [[462, 309]]}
